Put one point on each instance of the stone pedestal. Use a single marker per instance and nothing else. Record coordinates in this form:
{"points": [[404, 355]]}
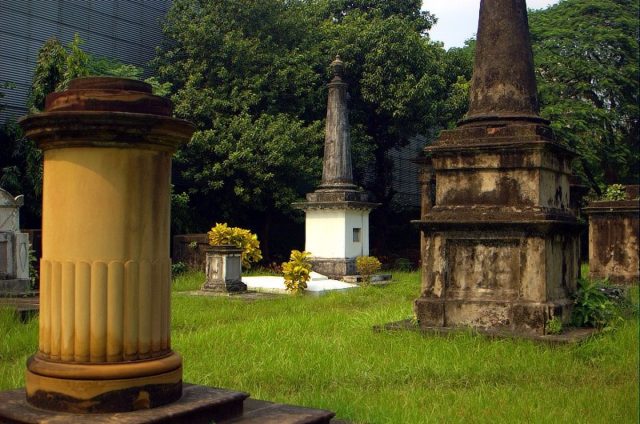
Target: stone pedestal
{"points": [[104, 341], [224, 270], [613, 238], [336, 230], [500, 246]]}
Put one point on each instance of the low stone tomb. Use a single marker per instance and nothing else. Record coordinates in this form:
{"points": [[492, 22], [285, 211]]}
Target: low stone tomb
{"points": [[613, 238], [224, 270], [14, 247]]}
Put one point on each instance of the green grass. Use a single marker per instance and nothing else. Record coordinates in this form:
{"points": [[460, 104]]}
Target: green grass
{"points": [[321, 352]]}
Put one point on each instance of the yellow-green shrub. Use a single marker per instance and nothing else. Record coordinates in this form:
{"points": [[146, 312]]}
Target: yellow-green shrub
{"points": [[366, 267], [297, 271], [241, 238]]}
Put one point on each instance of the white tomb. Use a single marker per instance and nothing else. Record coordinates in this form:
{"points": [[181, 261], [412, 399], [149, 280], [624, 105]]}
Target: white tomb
{"points": [[337, 213], [14, 247]]}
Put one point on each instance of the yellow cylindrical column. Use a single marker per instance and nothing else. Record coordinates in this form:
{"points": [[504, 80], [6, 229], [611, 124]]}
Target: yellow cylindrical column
{"points": [[105, 287]]}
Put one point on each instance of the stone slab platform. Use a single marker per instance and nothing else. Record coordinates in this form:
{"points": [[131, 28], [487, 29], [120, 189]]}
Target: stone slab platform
{"points": [[198, 405], [377, 279], [571, 335]]}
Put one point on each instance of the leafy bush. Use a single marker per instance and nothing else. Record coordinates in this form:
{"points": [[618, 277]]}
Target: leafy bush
{"points": [[553, 326], [33, 268], [366, 267], [593, 308], [178, 268], [297, 271], [241, 238], [403, 264], [614, 192]]}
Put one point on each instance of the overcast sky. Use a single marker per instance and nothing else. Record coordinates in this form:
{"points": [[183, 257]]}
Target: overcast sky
{"points": [[458, 19]]}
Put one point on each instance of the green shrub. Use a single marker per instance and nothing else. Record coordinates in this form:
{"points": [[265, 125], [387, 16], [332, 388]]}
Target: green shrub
{"points": [[178, 268], [403, 264], [366, 267], [614, 192], [241, 238], [33, 268], [593, 308], [553, 326], [297, 271]]}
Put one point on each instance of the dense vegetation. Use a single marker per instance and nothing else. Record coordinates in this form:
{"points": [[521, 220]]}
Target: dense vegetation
{"points": [[322, 352], [252, 74]]}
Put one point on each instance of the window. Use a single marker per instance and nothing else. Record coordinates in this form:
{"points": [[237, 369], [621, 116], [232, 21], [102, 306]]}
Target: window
{"points": [[356, 235]]}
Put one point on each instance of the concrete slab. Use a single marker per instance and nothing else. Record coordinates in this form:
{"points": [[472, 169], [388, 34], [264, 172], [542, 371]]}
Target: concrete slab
{"points": [[273, 284]]}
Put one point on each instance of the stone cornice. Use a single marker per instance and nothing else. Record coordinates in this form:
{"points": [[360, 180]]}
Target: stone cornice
{"points": [[53, 130], [338, 205]]}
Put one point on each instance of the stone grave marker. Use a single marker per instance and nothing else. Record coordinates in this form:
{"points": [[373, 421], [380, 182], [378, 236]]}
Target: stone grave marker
{"points": [[14, 248], [500, 243]]}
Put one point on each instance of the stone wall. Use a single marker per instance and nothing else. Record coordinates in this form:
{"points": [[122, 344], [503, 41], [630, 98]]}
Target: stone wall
{"points": [[191, 249]]}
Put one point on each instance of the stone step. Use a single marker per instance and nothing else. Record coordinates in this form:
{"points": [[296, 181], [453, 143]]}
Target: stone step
{"points": [[263, 412]]}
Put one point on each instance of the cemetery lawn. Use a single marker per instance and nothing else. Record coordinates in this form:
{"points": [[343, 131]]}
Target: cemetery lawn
{"points": [[320, 351]]}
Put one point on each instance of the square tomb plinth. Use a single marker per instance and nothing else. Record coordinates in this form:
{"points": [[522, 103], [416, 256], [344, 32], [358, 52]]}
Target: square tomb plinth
{"points": [[511, 281]]}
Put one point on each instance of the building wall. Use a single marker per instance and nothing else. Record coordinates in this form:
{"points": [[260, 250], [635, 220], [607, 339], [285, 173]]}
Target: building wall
{"points": [[405, 173], [127, 30]]}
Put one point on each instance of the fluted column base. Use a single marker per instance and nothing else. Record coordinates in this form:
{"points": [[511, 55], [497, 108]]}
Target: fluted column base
{"points": [[106, 387]]}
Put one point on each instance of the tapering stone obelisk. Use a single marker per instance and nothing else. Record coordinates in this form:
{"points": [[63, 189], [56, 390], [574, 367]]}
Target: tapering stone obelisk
{"points": [[337, 213], [500, 245]]}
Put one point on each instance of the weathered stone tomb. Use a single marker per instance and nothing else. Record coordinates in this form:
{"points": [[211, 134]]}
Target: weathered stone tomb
{"points": [[499, 243], [337, 213], [614, 228], [14, 247]]}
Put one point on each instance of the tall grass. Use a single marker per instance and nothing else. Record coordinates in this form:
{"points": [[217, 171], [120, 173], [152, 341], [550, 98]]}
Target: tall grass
{"points": [[18, 341], [321, 352]]}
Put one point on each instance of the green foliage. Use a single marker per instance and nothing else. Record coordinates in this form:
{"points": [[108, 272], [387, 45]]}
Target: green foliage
{"points": [[615, 192], [178, 268], [593, 308], [179, 212], [21, 170], [403, 264], [586, 54], [33, 268], [20, 159], [241, 238], [49, 73], [366, 266], [297, 272], [252, 75], [553, 326]]}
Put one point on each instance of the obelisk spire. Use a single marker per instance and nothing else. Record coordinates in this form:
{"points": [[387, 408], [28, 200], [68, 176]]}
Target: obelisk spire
{"points": [[336, 169], [503, 86]]}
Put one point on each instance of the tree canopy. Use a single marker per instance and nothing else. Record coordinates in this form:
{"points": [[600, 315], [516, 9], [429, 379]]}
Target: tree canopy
{"points": [[252, 75], [586, 55], [56, 66]]}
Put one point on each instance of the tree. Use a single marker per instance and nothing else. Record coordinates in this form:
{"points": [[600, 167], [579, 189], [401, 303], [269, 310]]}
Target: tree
{"points": [[56, 66], [252, 74], [586, 55]]}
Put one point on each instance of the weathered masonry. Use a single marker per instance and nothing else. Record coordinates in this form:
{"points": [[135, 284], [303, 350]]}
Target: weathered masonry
{"points": [[499, 244], [614, 228]]}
